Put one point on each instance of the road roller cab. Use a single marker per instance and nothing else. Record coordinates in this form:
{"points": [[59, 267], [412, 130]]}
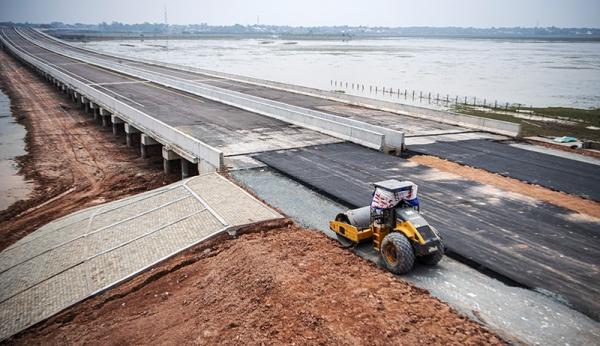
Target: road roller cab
{"points": [[395, 226]]}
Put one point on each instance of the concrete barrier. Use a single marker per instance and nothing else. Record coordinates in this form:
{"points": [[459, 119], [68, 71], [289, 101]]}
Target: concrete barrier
{"points": [[446, 117], [469, 121], [191, 148], [351, 130]]}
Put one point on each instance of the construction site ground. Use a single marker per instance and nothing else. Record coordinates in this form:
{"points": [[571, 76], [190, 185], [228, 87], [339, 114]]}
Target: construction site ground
{"points": [[283, 285], [513, 234], [240, 291], [517, 314]]}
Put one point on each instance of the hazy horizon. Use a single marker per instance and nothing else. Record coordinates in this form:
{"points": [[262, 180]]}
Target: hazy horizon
{"points": [[390, 13]]}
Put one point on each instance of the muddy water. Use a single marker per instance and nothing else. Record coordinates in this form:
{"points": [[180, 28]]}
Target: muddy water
{"points": [[13, 187]]}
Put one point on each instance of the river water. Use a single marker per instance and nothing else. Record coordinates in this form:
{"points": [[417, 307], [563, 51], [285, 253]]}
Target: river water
{"points": [[13, 187], [538, 73]]}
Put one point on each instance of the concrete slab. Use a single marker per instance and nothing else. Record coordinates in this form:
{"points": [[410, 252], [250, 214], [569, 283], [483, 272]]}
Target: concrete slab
{"points": [[76, 256]]}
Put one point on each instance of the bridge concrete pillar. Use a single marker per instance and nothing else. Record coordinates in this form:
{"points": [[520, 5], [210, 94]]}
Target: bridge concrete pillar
{"points": [[168, 156], [130, 131], [145, 142], [116, 124], [185, 168], [85, 103], [93, 108], [105, 115]]}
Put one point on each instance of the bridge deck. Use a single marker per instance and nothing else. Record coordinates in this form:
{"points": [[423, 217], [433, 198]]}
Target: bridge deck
{"points": [[404, 123], [230, 129]]}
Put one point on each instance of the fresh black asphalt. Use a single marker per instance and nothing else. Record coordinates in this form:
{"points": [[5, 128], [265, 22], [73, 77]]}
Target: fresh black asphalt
{"points": [[535, 244], [553, 172]]}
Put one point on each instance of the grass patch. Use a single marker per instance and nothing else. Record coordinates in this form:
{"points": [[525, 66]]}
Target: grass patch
{"points": [[548, 121]]}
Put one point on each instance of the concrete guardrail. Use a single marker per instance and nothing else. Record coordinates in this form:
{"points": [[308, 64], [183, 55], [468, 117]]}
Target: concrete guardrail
{"points": [[473, 122], [210, 158]]}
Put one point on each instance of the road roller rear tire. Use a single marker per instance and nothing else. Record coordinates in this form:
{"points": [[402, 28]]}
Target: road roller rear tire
{"points": [[397, 253]]}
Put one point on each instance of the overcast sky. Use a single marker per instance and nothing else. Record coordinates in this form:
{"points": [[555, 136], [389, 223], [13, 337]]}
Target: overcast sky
{"points": [[477, 13]]}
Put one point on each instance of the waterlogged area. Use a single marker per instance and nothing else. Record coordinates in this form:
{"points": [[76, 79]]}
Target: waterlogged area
{"points": [[537, 73], [13, 187]]}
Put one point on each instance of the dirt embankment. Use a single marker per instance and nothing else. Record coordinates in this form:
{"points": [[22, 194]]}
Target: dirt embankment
{"points": [[72, 162], [283, 286]]}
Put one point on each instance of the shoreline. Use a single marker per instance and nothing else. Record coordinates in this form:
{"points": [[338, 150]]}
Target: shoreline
{"points": [[71, 163], [15, 186]]}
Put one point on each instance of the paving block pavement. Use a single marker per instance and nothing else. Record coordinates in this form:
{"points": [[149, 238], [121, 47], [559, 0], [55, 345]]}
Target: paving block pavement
{"points": [[88, 251]]}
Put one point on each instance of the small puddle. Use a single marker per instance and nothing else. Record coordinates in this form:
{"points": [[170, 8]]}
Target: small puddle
{"points": [[13, 187]]}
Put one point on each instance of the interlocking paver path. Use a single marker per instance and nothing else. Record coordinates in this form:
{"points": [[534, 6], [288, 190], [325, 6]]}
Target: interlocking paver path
{"points": [[78, 255]]}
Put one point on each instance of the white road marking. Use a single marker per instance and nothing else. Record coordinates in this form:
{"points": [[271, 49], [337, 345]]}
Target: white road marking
{"points": [[117, 83], [88, 82]]}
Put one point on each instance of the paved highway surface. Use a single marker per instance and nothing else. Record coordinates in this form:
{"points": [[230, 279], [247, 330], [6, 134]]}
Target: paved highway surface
{"points": [[407, 124], [536, 244], [556, 173]]}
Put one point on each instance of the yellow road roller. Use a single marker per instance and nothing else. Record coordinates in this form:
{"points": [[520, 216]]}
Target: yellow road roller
{"points": [[394, 224]]}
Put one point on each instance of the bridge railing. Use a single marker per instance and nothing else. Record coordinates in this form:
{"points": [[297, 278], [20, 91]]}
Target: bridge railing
{"points": [[162, 132]]}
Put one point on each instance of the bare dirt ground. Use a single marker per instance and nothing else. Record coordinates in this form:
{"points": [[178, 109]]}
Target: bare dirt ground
{"points": [[567, 201], [72, 161], [285, 285]]}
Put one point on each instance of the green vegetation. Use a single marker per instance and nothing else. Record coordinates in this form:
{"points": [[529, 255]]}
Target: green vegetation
{"points": [[549, 121]]}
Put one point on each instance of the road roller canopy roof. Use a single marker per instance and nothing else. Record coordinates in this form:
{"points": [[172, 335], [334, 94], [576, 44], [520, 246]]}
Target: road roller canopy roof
{"points": [[389, 193], [394, 185]]}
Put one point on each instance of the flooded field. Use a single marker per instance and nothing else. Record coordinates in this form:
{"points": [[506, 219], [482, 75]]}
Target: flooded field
{"points": [[12, 144], [537, 73]]}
